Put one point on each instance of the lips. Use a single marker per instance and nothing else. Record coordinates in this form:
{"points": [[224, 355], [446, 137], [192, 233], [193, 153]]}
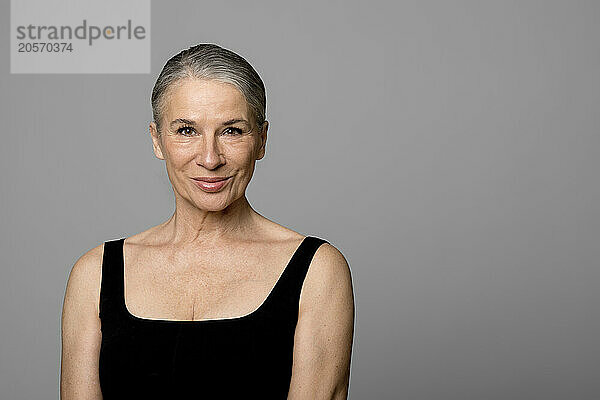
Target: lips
{"points": [[210, 179], [211, 184]]}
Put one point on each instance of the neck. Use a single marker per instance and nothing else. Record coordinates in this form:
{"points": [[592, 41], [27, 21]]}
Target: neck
{"points": [[190, 224]]}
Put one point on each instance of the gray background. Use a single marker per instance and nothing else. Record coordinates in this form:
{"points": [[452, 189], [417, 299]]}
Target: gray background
{"points": [[456, 150]]}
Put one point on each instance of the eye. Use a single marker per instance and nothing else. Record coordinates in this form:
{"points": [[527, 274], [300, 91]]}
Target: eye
{"points": [[235, 131], [186, 131]]}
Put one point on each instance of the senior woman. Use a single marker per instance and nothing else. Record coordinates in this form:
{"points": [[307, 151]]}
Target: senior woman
{"points": [[217, 302]]}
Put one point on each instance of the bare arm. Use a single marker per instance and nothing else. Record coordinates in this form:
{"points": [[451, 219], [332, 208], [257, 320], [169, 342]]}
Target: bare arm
{"points": [[324, 334], [80, 330]]}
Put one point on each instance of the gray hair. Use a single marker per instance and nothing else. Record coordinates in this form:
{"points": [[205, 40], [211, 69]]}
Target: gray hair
{"points": [[210, 61]]}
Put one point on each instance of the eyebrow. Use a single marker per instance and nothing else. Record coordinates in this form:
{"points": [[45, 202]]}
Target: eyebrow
{"points": [[190, 122]]}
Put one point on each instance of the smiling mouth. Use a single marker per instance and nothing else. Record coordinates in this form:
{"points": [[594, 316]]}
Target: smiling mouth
{"points": [[211, 178], [211, 185]]}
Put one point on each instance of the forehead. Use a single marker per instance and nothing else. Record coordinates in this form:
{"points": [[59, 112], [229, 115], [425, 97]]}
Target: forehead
{"points": [[201, 99]]}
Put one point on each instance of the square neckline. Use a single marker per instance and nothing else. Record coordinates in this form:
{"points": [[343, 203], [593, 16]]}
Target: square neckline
{"points": [[250, 315]]}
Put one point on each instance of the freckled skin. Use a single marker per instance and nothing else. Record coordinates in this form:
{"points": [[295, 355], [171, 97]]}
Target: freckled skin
{"points": [[210, 151]]}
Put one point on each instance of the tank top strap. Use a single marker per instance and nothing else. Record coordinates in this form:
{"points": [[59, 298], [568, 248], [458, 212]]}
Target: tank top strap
{"points": [[283, 300], [286, 293], [111, 290]]}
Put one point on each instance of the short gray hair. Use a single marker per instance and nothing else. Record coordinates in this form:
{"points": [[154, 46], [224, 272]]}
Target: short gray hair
{"points": [[210, 61]]}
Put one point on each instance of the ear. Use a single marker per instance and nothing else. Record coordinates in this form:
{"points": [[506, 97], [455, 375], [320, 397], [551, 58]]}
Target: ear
{"points": [[156, 141], [263, 138]]}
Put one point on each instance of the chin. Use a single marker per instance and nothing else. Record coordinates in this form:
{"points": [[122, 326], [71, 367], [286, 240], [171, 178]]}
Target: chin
{"points": [[215, 205]]}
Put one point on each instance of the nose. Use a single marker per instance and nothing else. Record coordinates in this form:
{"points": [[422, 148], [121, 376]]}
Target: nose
{"points": [[209, 153]]}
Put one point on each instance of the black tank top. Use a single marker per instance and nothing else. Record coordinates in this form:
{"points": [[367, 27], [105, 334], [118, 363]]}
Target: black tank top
{"points": [[247, 357]]}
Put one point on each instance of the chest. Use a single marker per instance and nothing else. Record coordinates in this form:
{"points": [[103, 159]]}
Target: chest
{"points": [[200, 285]]}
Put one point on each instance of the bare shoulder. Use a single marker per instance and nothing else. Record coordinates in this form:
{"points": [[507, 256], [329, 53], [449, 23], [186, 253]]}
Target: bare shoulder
{"points": [[89, 260], [328, 281], [83, 284]]}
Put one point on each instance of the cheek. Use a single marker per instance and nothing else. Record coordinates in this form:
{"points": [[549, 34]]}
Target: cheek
{"points": [[245, 161], [241, 154], [248, 167], [179, 155]]}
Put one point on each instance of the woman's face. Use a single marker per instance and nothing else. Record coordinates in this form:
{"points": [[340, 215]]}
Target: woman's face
{"points": [[207, 131]]}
